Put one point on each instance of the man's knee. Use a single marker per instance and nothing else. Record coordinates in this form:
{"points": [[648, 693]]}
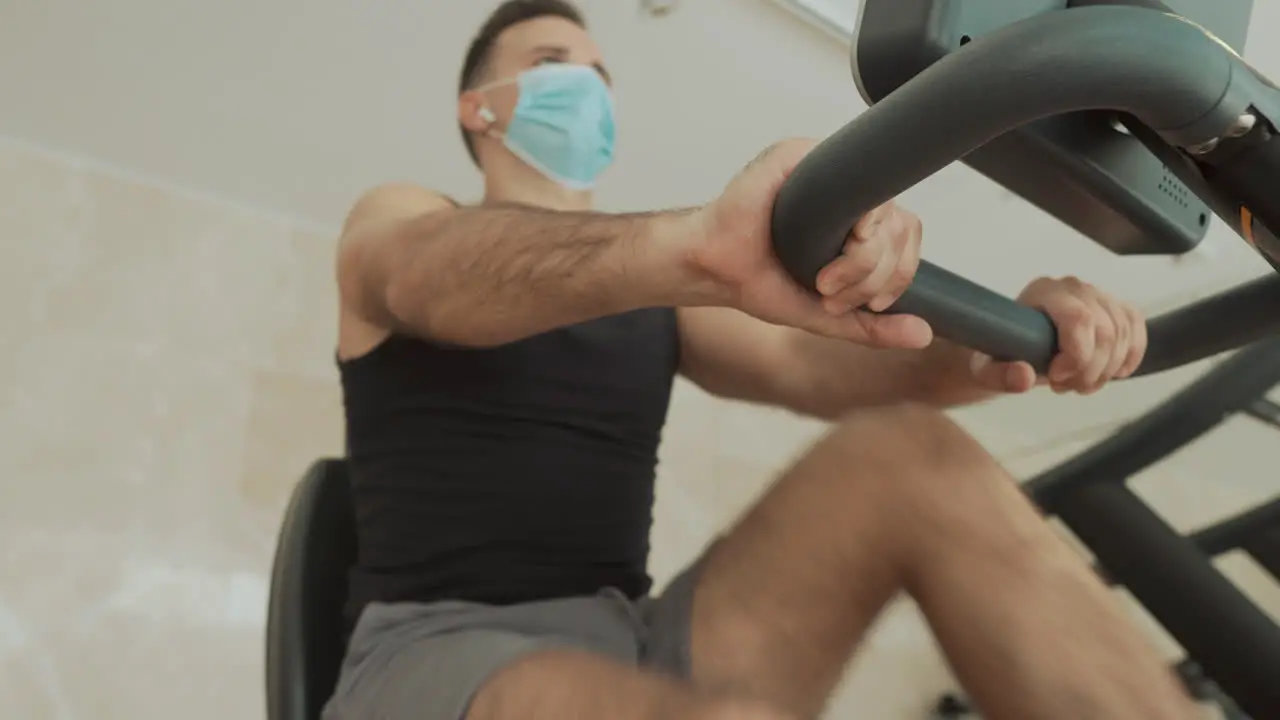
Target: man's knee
{"points": [[913, 437], [907, 454]]}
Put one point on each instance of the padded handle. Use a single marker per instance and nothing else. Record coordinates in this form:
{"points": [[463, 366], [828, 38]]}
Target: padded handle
{"points": [[965, 312]]}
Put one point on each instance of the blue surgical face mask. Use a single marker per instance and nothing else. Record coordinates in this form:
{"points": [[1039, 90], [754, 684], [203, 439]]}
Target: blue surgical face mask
{"points": [[563, 124]]}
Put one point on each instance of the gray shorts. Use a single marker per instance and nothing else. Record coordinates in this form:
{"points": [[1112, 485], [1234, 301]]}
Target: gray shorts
{"points": [[426, 661]]}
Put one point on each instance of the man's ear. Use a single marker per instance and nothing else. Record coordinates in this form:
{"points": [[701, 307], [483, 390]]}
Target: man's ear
{"points": [[474, 113]]}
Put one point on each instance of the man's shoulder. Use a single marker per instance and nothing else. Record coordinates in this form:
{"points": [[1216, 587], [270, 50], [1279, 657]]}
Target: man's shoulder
{"points": [[398, 200], [366, 249]]}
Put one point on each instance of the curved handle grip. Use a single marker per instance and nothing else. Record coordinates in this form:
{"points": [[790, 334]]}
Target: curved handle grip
{"points": [[1156, 67], [969, 314]]}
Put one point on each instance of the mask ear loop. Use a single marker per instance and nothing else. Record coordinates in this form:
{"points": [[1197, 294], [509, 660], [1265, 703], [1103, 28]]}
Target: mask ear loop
{"points": [[487, 115]]}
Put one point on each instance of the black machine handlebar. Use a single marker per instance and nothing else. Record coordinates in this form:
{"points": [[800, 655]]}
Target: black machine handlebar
{"points": [[1158, 68]]}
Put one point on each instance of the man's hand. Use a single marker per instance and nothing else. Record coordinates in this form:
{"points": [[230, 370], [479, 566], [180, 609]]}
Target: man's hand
{"points": [[880, 260], [1100, 339]]}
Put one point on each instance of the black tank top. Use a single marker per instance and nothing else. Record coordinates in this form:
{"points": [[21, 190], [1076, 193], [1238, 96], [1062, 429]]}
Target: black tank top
{"points": [[508, 474]]}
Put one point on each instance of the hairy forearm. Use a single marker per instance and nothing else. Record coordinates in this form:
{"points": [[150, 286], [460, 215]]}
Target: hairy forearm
{"points": [[836, 377], [492, 275]]}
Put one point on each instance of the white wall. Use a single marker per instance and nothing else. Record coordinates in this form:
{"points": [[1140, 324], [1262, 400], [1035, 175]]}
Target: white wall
{"points": [[169, 185]]}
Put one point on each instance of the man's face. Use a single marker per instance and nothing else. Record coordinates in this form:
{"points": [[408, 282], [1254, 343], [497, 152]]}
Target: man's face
{"points": [[523, 46]]}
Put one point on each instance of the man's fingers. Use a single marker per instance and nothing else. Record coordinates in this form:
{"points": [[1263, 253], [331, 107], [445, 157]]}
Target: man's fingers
{"points": [[879, 261], [1077, 339], [1062, 371], [858, 294], [1124, 336], [1105, 336], [988, 373], [1076, 336], [1005, 377], [1100, 338], [1137, 342], [904, 272], [870, 223], [857, 260], [1015, 377], [907, 332], [843, 281], [1021, 377], [792, 306]]}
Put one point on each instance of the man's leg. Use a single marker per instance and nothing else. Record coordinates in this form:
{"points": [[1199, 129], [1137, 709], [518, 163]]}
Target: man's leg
{"points": [[571, 685], [901, 498], [559, 659]]}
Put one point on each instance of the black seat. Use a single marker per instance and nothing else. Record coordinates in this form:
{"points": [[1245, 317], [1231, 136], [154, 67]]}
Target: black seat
{"points": [[306, 630]]}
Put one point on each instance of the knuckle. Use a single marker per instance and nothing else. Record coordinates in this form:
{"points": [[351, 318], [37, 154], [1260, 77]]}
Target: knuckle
{"points": [[795, 146], [866, 324], [855, 298], [1086, 309], [1075, 287], [1105, 330], [904, 238], [860, 262], [1074, 314], [910, 261], [787, 148], [1123, 328]]}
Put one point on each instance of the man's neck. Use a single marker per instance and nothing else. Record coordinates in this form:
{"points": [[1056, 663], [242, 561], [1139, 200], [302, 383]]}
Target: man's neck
{"points": [[525, 186]]}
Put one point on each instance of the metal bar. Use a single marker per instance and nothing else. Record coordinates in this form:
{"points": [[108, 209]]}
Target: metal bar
{"points": [[1192, 412], [1236, 643], [1266, 411]]}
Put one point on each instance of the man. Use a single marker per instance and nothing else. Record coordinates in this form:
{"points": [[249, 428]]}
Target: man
{"points": [[507, 368]]}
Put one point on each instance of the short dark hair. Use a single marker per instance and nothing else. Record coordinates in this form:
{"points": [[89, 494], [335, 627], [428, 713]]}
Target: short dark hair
{"points": [[511, 12]]}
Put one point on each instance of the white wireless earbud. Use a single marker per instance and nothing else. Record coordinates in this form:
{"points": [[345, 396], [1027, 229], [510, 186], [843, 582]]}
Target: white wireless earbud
{"points": [[487, 115]]}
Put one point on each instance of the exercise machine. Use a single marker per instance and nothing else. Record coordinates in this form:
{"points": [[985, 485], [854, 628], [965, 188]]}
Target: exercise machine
{"points": [[1018, 89], [306, 626], [1173, 576], [1133, 124]]}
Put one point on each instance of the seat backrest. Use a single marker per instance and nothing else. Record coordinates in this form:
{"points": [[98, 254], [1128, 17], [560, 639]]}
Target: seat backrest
{"points": [[306, 628]]}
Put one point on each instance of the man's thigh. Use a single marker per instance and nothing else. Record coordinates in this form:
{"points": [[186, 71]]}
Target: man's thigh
{"points": [[784, 597], [554, 682], [429, 661]]}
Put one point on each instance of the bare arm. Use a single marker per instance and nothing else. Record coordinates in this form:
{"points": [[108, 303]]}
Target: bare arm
{"points": [[733, 355], [410, 261]]}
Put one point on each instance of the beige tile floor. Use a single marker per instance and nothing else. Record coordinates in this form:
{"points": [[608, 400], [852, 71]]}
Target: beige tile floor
{"points": [[166, 375]]}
